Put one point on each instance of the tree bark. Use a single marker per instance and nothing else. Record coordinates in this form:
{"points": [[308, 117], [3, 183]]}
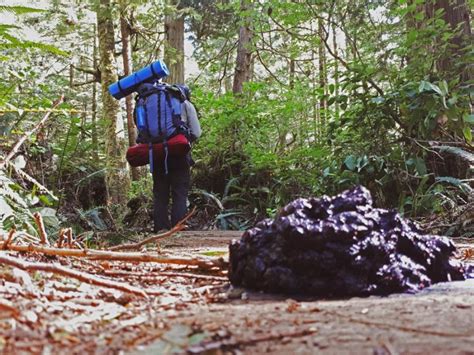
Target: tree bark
{"points": [[322, 78], [244, 54], [174, 46], [127, 70], [336, 72], [117, 178], [95, 142], [457, 15]]}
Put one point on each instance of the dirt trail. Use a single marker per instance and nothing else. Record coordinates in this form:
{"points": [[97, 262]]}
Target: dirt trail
{"points": [[196, 311], [439, 319]]}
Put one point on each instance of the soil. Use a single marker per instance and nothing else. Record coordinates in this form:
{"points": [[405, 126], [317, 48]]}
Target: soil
{"points": [[197, 311], [440, 318]]}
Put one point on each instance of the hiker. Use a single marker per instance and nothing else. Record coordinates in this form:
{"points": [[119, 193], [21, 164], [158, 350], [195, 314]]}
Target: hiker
{"points": [[174, 176]]}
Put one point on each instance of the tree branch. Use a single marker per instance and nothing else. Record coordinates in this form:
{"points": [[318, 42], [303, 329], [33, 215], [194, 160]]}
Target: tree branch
{"points": [[78, 275], [109, 255], [42, 230], [179, 226], [95, 72], [29, 133]]}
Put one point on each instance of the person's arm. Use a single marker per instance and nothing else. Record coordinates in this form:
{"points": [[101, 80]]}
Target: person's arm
{"points": [[192, 119]]}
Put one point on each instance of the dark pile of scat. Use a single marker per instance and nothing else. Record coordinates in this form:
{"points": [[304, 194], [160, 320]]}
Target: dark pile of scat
{"points": [[341, 246]]}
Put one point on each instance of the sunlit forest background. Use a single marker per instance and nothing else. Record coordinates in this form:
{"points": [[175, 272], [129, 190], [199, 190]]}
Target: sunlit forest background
{"points": [[296, 98]]}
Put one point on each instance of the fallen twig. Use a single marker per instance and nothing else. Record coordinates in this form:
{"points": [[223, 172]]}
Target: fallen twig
{"points": [[6, 306], [27, 237], [68, 233], [164, 274], [466, 254], [179, 226], [122, 256], [11, 233], [62, 270], [29, 133], [60, 241], [42, 230]]}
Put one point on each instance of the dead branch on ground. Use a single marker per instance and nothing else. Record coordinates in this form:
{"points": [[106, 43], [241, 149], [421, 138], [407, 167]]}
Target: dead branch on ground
{"points": [[64, 271], [119, 256], [153, 275], [6, 306], [62, 233], [42, 231], [133, 246], [11, 233]]}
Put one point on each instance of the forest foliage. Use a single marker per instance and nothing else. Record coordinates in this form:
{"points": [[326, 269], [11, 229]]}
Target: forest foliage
{"points": [[338, 93]]}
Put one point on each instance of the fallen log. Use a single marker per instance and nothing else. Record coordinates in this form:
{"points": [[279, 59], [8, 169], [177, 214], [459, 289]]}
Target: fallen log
{"points": [[64, 271], [119, 256]]}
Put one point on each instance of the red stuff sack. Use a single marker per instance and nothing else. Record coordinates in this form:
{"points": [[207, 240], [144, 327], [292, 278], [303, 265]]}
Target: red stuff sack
{"points": [[138, 155]]}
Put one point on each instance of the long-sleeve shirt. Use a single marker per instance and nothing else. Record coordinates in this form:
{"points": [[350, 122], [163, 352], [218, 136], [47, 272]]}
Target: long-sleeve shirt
{"points": [[190, 117]]}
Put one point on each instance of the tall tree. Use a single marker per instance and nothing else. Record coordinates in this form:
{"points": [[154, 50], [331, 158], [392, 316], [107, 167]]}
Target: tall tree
{"points": [[95, 142], [127, 70], [117, 177], [174, 46], [322, 76], [456, 14], [244, 53]]}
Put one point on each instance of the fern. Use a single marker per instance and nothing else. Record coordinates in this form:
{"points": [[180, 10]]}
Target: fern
{"points": [[19, 10], [455, 182], [9, 41], [33, 45]]}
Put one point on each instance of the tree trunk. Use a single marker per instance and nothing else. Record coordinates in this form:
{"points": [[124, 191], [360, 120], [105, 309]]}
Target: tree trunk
{"points": [[127, 70], [322, 78], [243, 62], [174, 46], [95, 143], [117, 178], [336, 72], [457, 15]]}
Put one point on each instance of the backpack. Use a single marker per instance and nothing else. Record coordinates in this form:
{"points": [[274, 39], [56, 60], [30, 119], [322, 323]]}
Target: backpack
{"points": [[158, 116]]}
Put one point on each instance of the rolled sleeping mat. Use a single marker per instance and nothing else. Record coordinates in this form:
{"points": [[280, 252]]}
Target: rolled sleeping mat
{"points": [[138, 155], [129, 84]]}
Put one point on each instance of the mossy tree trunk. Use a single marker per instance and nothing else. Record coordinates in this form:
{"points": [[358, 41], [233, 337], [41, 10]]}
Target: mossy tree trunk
{"points": [[456, 13], [174, 46], [127, 70], [244, 53], [117, 177]]}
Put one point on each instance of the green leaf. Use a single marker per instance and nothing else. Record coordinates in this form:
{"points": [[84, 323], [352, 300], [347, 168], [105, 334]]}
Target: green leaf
{"points": [[443, 85], [377, 100], [420, 166], [350, 162], [469, 118], [20, 10], [467, 133], [427, 86]]}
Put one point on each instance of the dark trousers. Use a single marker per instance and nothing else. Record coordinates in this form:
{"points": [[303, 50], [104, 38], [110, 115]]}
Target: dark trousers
{"points": [[176, 183]]}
